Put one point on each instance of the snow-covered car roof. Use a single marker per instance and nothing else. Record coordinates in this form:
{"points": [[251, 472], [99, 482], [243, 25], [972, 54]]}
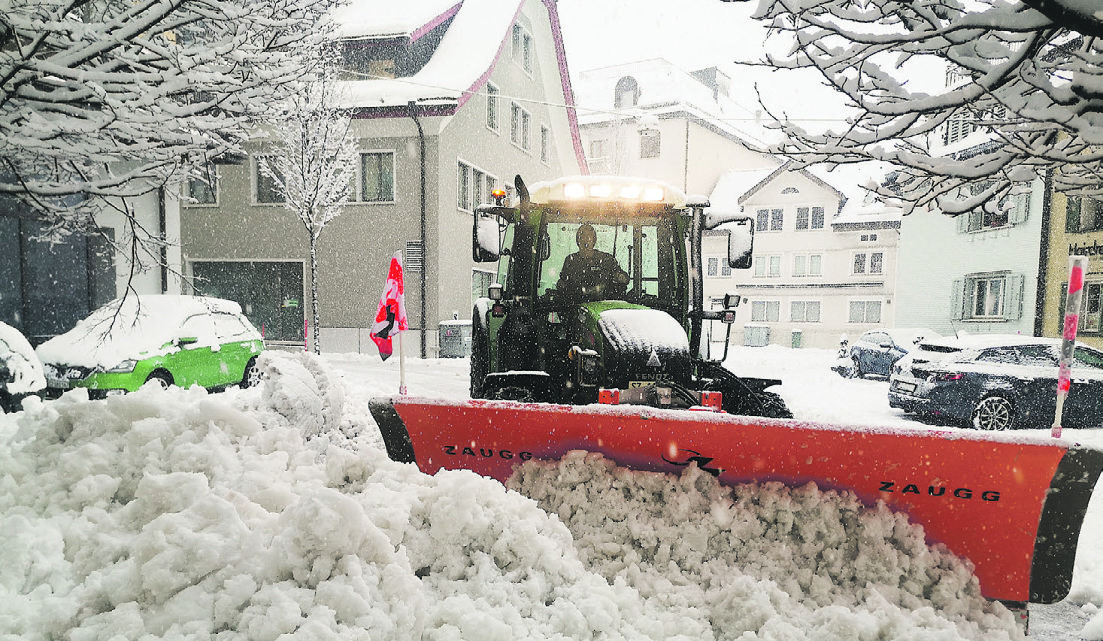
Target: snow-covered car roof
{"points": [[984, 341], [16, 353], [133, 327], [907, 336]]}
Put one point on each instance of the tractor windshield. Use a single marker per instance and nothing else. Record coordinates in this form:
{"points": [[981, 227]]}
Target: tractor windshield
{"points": [[641, 252]]}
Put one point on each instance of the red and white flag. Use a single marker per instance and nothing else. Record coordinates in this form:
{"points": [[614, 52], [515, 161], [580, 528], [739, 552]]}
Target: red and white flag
{"points": [[390, 319]]}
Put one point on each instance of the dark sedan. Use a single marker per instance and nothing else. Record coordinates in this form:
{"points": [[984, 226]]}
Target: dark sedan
{"points": [[998, 383]]}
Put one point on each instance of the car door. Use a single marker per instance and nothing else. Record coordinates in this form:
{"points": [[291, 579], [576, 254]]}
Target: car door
{"points": [[195, 359], [236, 347], [1084, 405]]}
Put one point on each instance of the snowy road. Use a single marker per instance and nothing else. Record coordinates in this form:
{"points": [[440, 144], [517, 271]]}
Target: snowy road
{"points": [[813, 392]]}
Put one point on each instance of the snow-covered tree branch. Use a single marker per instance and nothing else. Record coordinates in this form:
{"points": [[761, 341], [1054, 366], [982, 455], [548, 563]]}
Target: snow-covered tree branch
{"points": [[108, 99], [313, 161], [1031, 84]]}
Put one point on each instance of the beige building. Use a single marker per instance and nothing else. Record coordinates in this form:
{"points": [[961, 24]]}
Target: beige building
{"points": [[452, 100], [1075, 227]]}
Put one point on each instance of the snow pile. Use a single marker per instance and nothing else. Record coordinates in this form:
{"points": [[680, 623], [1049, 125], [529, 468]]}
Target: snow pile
{"points": [[178, 514], [766, 560]]}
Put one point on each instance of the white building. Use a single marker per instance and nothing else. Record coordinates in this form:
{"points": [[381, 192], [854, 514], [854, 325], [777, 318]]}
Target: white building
{"points": [[824, 263]]}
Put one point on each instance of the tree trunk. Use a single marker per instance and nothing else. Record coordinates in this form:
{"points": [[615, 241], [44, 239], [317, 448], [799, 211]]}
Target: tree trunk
{"points": [[314, 290]]}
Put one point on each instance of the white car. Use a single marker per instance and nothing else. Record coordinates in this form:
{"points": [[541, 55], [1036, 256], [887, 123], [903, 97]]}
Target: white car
{"points": [[20, 370]]}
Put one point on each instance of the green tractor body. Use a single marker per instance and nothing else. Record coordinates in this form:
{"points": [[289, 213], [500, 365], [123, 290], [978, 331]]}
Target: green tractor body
{"points": [[638, 336]]}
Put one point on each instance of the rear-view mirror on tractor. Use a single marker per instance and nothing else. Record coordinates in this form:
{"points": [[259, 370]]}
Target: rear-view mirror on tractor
{"points": [[486, 245]]}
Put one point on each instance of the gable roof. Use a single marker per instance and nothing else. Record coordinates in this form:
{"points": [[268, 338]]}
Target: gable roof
{"points": [[459, 67]]}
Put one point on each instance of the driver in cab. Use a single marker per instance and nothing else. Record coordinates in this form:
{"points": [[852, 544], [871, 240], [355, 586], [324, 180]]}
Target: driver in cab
{"points": [[591, 274]]}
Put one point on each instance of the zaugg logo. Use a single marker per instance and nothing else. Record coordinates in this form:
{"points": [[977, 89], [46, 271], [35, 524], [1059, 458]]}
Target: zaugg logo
{"points": [[695, 457], [456, 450], [939, 490]]}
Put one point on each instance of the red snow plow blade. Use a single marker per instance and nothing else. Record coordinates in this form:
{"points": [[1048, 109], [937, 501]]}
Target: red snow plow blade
{"points": [[1013, 507]]}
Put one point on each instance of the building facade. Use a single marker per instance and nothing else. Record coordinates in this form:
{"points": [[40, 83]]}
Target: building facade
{"points": [[1074, 227], [824, 265], [453, 101]]}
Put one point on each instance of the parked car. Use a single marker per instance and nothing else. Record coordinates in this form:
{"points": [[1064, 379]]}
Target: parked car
{"points": [[170, 339], [20, 372], [998, 382], [876, 351]]}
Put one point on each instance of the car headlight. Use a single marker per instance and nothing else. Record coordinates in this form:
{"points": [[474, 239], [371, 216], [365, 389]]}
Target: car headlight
{"points": [[124, 367]]}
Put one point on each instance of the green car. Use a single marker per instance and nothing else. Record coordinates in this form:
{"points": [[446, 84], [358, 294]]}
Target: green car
{"points": [[170, 339]]}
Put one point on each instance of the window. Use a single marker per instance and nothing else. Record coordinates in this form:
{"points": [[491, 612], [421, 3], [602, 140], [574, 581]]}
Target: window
{"points": [[480, 284], [520, 124], [204, 189], [987, 297], [869, 263], [808, 265], [267, 189], [809, 218], [627, 93], [598, 149], [473, 186], [767, 266], [805, 311], [1011, 211], [1083, 214], [718, 267], [522, 47], [1091, 310], [492, 100], [545, 143], [649, 143], [769, 220], [377, 177], [865, 311], [869, 238], [765, 311]]}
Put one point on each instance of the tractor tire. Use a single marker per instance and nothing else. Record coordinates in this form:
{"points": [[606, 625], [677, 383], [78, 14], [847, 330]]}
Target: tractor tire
{"points": [[773, 406], [480, 360]]}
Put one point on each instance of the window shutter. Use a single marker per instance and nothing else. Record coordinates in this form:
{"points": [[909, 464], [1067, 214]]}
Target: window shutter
{"points": [[1014, 303], [1021, 209], [414, 256], [962, 221], [957, 299]]}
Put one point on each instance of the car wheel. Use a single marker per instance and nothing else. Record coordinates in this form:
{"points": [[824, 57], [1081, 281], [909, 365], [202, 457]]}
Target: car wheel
{"points": [[480, 361], [163, 378], [994, 413], [252, 376]]}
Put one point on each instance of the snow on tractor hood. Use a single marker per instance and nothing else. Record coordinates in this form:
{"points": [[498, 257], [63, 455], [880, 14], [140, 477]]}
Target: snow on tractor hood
{"points": [[641, 330]]}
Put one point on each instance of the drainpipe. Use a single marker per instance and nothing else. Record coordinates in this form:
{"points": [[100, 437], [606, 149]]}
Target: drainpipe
{"points": [[421, 162]]}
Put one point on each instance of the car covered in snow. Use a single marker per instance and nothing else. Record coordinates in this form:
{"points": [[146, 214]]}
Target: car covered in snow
{"points": [[998, 382], [171, 339], [20, 371], [876, 351]]}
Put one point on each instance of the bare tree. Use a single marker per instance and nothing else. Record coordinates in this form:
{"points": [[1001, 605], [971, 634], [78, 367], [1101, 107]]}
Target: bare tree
{"points": [[313, 162], [105, 100], [1020, 71]]}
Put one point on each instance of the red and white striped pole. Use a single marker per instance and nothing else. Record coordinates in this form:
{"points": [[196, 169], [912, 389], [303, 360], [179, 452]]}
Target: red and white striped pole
{"points": [[1077, 265]]}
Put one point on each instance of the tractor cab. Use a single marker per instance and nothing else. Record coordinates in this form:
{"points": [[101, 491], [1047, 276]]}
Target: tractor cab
{"points": [[595, 289]]}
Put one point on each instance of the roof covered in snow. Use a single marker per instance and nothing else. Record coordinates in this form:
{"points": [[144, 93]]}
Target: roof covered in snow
{"points": [[665, 88]]}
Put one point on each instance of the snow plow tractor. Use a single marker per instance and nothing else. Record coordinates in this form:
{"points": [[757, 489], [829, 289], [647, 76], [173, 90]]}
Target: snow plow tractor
{"points": [[593, 340], [599, 292]]}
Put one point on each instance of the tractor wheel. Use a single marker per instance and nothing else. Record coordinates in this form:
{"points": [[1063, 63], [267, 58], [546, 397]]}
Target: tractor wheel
{"points": [[480, 361], [773, 406], [994, 413]]}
